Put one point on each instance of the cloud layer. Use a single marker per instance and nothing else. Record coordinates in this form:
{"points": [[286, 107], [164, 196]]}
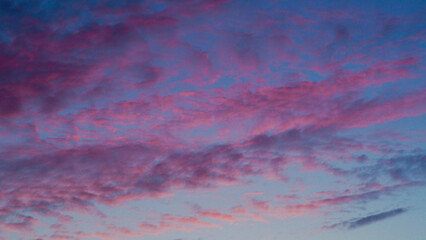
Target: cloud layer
{"points": [[105, 104]]}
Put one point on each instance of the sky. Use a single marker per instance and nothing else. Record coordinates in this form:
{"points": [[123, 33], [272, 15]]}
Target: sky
{"points": [[212, 120]]}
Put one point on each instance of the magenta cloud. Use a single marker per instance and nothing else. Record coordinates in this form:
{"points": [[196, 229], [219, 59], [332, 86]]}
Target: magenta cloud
{"points": [[107, 104]]}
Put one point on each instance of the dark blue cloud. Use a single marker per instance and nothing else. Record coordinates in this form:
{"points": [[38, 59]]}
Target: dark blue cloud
{"points": [[364, 221]]}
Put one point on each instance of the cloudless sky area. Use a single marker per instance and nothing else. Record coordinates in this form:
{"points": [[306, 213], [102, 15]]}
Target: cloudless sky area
{"points": [[212, 120]]}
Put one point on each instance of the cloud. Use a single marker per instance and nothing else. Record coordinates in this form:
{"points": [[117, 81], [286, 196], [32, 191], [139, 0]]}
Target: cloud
{"points": [[101, 104], [364, 221], [402, 169], [362, 197]]}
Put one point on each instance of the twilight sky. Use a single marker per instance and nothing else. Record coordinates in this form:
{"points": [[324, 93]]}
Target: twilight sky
{"points": [[212, 120]]}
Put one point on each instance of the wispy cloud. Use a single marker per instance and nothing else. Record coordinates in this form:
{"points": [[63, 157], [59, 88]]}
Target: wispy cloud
{"points": [[364, 221], [107, 103]]}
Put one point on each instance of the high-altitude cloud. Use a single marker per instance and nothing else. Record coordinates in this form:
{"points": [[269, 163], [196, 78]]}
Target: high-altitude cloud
{"points": [[129, 119]]}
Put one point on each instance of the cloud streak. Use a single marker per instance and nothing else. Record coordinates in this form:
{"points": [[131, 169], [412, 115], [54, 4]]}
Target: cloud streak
{"points": [[367, 220]]}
